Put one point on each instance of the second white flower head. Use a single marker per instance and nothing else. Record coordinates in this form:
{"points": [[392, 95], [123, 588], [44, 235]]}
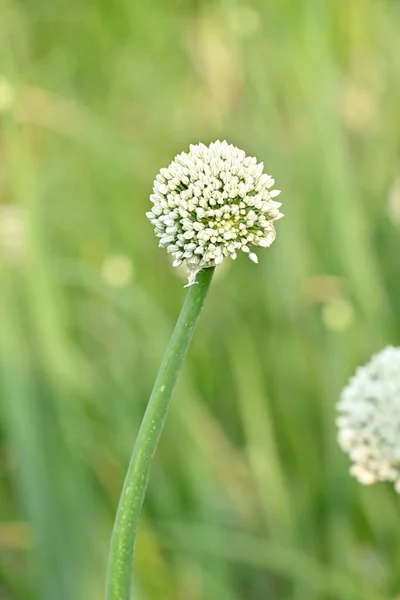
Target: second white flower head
{"points": [[212, 202], [369, 421]]}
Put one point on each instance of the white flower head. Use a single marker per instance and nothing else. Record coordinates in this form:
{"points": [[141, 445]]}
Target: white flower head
{"points": [[211, 203], [369, 421]]}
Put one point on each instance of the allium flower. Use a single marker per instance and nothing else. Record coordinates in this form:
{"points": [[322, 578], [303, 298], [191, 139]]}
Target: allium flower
{"points": [[210, 203], [369, 425]]}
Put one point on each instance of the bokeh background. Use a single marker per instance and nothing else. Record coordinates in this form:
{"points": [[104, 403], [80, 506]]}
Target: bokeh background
{"points": [[250, 497]]}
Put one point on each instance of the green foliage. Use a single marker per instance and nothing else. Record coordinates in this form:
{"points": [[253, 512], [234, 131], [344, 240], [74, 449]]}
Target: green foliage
{"points": [[249, 495]]}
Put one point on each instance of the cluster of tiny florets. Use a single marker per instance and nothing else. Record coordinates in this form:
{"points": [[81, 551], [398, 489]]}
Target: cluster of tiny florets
{"points": [[211, 203], [369, 422]]}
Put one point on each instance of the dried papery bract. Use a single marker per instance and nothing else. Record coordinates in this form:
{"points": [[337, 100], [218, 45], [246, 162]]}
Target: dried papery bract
{"points": [[210, 204], [369, 421]]}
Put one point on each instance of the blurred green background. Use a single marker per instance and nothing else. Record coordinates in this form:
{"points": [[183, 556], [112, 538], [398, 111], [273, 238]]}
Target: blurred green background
{"points": [[250, 496]]}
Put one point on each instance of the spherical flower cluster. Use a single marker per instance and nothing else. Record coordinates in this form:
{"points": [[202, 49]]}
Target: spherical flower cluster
{"points": [[211, 203], [369, 422]]}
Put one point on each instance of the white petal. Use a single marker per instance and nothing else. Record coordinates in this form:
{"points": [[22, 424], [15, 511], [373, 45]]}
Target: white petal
{"points": [[253, 257]]}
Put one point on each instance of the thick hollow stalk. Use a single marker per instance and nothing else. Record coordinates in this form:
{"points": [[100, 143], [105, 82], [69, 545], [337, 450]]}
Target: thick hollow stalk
{"points": [[130, 505]]}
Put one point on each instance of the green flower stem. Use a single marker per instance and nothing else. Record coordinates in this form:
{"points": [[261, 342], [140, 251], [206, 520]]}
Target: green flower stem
{"points": [[131, 501]]}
